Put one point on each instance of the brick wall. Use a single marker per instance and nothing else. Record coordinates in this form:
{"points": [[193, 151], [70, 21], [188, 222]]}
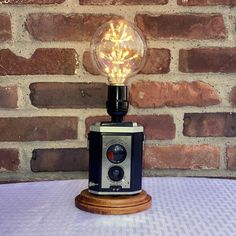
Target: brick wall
{"points": [[185, 96]]}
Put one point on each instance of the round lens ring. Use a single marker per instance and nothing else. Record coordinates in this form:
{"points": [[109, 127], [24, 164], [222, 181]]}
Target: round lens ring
{"points": [[116, 173], [116, 153]]}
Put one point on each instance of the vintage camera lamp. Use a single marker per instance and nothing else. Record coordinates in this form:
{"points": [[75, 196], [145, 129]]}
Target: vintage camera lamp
{"points": [[118, 51]]}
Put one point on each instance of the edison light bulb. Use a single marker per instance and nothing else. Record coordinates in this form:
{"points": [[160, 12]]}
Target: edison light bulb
{"points": [[118, 50]]}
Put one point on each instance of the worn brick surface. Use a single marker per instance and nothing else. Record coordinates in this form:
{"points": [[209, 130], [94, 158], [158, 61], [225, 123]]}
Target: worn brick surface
{"points": [[68, 95], [63, 159], [210, 124], [155, 126], [182, 157], [147, 94], [38, 128], [197, 26], [58, 27], [157, 62], [5, 27], [231, 157], [43, 61], [122, 2], [8, 97], [232, 96], [206, 2], [40, 2], [207, 60], [9, 159]]}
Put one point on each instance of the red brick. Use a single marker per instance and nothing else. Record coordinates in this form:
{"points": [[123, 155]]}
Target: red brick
{"points": [[231, 157], [147, 94], [5, 27], [159, 127], [232, 96], [9, 159], [206, 2], [43, 61], [38, 128], [63, 159], [40, 2], [210, 124], [157, 62], [182, 157], [68, 95], [58, 27], [201, 60], [122, 2], [197, 26], [8, 97]]}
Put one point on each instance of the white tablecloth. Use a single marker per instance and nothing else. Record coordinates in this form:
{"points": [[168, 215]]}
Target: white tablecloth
{"points": [[181, 206]]}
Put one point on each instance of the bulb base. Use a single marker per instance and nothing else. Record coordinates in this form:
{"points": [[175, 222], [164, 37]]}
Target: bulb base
{"points": [[117, 103]]}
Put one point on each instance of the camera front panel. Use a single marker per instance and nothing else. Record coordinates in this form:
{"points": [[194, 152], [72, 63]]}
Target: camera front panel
{"points": [[116, 162]]}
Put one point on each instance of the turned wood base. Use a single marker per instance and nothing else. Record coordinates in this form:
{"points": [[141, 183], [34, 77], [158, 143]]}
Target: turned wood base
{"points": [[113, 205]]}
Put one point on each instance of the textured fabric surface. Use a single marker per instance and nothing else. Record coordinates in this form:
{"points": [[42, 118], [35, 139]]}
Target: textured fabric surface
{"points": [[181, 206]]}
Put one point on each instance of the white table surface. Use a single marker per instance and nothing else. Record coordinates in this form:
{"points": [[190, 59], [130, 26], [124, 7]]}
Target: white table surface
{"points": [[181, 206]]}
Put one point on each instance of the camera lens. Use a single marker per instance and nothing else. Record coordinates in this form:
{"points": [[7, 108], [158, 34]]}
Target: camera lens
{"points": [[116, 153], [116, 173]]}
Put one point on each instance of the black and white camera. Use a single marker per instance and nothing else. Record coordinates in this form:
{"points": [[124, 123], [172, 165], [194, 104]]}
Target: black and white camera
{"points": [[115, 164]]}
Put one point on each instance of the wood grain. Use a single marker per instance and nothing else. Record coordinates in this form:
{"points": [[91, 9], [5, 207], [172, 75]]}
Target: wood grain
{"points": [[113, 205]]}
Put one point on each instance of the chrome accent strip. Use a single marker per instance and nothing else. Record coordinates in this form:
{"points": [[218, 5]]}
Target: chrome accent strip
{"points": [[98, 128], [114, 193]]}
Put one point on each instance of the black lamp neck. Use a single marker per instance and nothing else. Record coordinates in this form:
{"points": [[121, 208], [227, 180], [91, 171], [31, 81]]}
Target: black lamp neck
{"points": [[117, 103]]}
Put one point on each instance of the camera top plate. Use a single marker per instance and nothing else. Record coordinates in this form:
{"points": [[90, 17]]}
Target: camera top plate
{"points": [[123, 127]]}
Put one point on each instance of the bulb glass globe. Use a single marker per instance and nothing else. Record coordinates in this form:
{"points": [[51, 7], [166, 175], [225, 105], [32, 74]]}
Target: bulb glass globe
{"points": [[118, 50]]}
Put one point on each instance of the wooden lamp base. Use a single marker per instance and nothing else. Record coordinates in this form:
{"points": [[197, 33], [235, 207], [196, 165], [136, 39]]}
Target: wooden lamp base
{"points": [[113, 205]]}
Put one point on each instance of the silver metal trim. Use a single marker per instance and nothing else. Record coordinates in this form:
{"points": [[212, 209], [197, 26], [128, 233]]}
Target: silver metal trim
{"points": [[107, 141], [115, 193], [134, 129]]}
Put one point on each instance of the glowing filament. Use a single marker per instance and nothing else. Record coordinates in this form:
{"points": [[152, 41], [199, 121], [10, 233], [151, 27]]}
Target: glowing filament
{"points": [[119, 56], [118, 50]]}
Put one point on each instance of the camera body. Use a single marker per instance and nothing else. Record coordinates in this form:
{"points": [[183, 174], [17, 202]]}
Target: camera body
{"points": [[115, 158]]}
